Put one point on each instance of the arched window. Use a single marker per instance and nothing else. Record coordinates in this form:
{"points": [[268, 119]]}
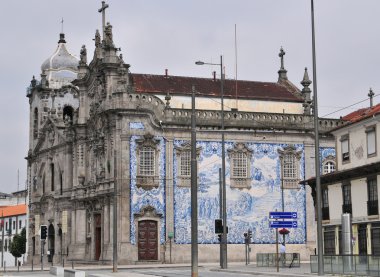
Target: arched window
{"points": [[328, 167], [35, 123], [328, 164], [68, 113]]}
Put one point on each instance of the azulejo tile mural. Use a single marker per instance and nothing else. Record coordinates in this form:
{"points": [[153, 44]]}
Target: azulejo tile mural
{"points": [[246, 208], [155, 197]]}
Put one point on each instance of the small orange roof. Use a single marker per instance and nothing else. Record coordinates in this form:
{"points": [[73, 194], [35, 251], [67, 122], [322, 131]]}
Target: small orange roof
{"points": [[13, 210]]}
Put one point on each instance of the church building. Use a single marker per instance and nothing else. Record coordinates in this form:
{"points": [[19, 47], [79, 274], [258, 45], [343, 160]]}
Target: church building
{"points": [[95, 125]]}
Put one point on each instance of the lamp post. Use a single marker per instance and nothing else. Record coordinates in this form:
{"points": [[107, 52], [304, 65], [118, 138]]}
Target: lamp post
{"points": [[223, 189], [316, 149]]}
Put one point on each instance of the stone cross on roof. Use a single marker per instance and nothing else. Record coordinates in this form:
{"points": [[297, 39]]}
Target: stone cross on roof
{"points": [[103, 11]]}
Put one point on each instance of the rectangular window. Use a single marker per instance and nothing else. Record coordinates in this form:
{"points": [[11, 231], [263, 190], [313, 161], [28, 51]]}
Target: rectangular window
{"points": [[19, 224], [325, 204], [290, 171], [371, 141], [239, 165], [185, 164], [14, 225], [345, 148], [52, 176], [372, 203], [147, 161], [347, 204]]}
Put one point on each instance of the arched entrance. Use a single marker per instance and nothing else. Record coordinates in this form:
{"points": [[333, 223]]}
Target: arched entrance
{"points": [[51, 242]]}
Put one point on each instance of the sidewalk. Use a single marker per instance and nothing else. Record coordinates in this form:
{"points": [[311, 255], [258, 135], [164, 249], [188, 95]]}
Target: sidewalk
{"points": [[106, 270]]}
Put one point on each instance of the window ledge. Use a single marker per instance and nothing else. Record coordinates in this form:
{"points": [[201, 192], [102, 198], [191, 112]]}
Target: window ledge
{"points": [[240, 183], [147, 182]]}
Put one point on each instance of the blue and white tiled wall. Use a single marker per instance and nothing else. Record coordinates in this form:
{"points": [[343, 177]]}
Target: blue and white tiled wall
{"points": [[246, 208]]}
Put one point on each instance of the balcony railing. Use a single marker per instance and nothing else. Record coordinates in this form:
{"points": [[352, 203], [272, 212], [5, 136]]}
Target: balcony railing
{"points": [[347, 208], [325, 213], [373, 207]]}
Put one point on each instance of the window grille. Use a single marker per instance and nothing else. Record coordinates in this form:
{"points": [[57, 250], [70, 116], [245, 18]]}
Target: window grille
{"points": [[146, 161], [239, 165], [185, 164]]}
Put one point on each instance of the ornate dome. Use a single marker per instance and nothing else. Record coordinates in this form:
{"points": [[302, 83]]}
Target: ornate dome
{"points": [[61, 68]]}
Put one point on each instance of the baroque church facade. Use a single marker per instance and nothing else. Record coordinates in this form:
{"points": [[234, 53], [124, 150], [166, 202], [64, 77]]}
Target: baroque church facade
{"points": [[95, 125]]}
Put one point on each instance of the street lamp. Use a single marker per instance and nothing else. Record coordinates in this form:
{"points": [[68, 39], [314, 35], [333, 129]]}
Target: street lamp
{"points": [[222, 201]]}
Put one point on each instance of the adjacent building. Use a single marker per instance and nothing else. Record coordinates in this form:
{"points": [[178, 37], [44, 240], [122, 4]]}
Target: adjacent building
{"points": [[353, 187], [13, 219]]}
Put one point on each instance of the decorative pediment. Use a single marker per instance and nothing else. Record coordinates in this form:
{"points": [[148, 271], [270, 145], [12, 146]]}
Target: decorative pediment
{"points": [[186, 146], [329, 158], [240, 148], [147, 140], [148, 211], [50, 135], [289, 149]]}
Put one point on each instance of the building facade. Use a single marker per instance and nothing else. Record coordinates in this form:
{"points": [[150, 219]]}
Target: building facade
{"points": [[353, 187], [95, 125], [13, 220]]}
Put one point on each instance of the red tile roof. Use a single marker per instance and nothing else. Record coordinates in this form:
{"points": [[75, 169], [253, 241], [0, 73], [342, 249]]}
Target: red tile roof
{"points": [[13, 210], [161, 84], [362, 114]]}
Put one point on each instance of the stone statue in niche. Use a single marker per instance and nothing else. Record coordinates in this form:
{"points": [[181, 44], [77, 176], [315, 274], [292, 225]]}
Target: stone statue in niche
{"points": [[83, 55]]}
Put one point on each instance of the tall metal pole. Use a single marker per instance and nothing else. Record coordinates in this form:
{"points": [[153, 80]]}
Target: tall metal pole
{"points": [[224, 236], [114, 248], [194, 191], [317, 163], [220, 214], [282, 194]]}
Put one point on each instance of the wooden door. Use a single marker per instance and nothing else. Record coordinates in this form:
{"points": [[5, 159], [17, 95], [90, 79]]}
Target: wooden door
{"points": [[98, 236], [147, 240]]}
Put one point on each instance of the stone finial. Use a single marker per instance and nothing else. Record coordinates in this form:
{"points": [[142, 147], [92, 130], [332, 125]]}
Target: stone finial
{"points": [[306, 80], [168, 98], [370, 95], [306, 92], [282, 72]]}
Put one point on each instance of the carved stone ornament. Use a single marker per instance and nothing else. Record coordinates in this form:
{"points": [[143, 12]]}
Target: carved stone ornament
{"points": [[148, 211]]}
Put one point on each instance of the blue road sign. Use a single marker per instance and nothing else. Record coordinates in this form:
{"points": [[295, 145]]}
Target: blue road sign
{"points": [[283, 224], [282, 215]]}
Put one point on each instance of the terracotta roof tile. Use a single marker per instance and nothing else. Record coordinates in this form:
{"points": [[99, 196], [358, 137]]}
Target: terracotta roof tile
{"points": [[362, 114], [161, 84], [13, 210]]}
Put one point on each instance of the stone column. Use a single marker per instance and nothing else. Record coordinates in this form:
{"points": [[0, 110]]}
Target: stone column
{"points": [[124, 186]]}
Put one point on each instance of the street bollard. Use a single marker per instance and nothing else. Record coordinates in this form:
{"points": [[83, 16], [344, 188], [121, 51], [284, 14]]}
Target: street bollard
{"points": [[18, 266], [72, 264], [5, 266], [63, 262]]}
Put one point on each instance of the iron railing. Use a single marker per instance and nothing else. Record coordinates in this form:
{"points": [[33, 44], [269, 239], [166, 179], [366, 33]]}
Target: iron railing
{"points": [[284, 260], [356, 265]]}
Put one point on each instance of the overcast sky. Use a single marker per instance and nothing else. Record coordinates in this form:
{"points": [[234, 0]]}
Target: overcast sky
{"points": [[173, 34]]}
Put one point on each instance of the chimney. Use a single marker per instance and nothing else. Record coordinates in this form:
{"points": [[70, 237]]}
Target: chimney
{"points": [[166, 73], [214, 76]]}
